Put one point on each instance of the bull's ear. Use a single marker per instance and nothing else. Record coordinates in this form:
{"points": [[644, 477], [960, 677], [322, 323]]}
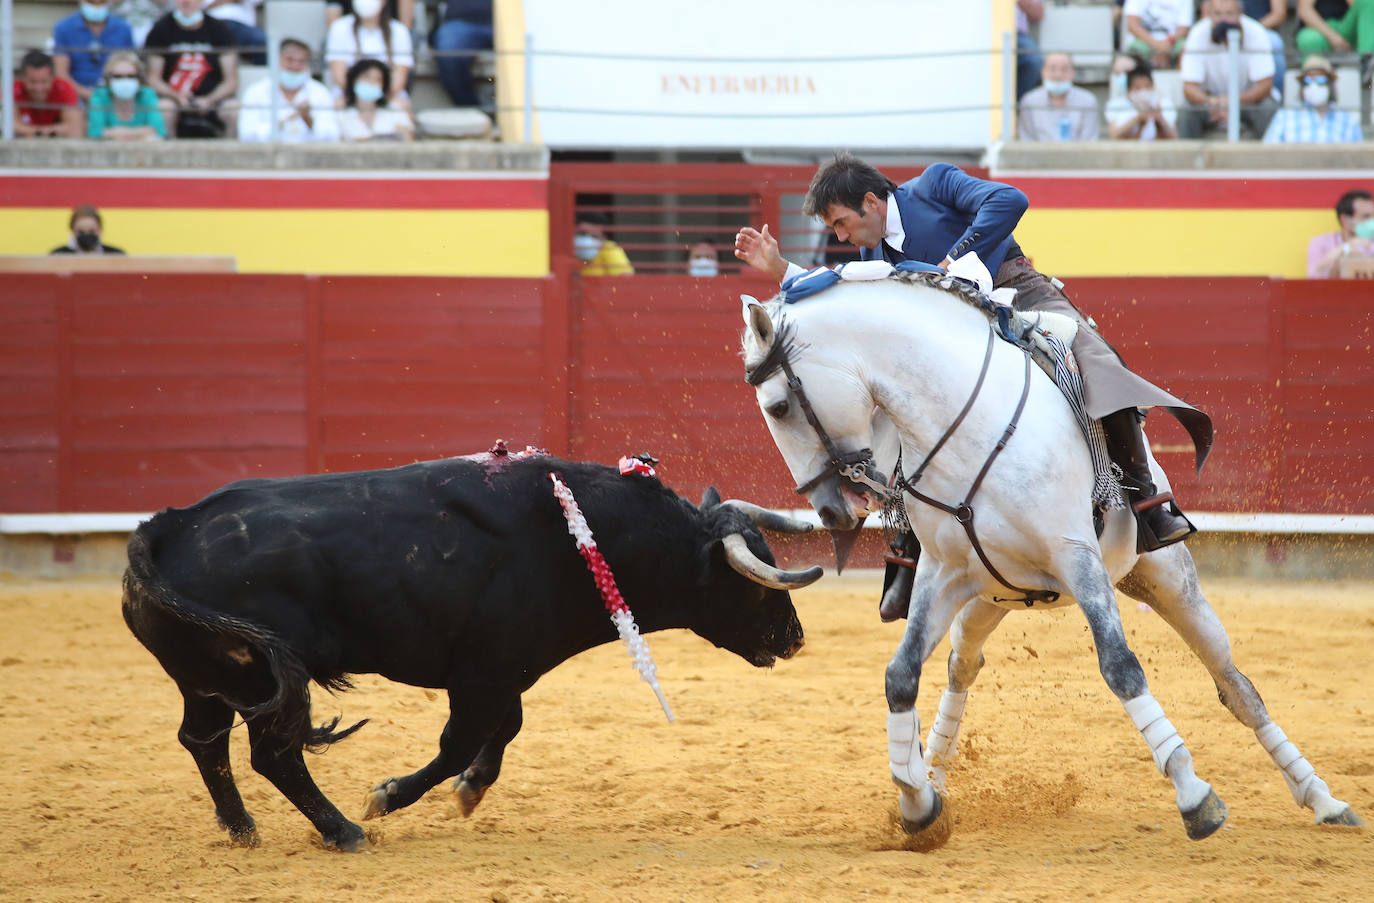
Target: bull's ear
{"points": [[757, 321], [710, 498]]}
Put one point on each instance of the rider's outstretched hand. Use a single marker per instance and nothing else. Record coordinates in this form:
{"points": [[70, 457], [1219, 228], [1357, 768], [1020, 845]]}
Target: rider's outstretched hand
{"points": [[760, 251]]}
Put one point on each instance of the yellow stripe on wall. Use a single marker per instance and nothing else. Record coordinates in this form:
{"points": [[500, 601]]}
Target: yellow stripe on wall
{"points": [[1135, 242], [506, 243]]}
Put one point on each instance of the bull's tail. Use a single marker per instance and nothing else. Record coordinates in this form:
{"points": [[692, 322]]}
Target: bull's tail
{"points": [[288, 708]]}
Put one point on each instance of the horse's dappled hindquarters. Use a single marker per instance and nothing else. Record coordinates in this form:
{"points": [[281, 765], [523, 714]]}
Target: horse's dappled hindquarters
{"points": [[1006, 521]]}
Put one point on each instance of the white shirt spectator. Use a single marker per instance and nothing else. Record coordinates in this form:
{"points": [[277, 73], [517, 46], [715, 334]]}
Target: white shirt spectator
{"points": [[1121, 110], [370, 44], [1037, 119], [1207, 64], [255, 116], [1161, 18], [388, 123]]}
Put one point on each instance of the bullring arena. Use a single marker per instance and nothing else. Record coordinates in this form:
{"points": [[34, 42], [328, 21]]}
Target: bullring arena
{"points": [[772, 785]]}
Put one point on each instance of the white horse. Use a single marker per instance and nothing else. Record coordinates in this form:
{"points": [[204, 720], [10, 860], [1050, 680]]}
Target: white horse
{"points": [[914, 351]]}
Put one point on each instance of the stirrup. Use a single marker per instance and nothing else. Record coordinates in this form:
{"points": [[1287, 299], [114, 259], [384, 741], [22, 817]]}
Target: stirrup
{"points": [[1146, 540]]}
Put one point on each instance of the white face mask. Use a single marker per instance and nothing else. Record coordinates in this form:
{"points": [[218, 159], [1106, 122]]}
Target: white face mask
{"points": [[188, 20], [586, 246], [291, 79], [367, 92], [1058, 88], [702, 266], [123, 87], [1146, 99], [366, 9], [1316, 95]]}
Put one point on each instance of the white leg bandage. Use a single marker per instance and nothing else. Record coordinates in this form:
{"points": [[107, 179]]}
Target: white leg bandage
{"points": [[1301, 777], [940, 742], [904, 748], [1157, 730]]}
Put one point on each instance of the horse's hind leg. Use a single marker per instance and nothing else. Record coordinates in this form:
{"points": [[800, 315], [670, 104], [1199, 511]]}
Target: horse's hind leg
{"points": [[1167, 581], [1203, 813], [205, 726], [974, 624]]}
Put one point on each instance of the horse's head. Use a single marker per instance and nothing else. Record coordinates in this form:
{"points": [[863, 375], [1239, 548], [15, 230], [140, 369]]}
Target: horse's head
{"points": [[821, 414]]}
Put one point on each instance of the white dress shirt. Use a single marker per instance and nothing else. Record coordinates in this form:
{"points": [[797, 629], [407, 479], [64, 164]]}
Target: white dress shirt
{"points": [[255, 117]]}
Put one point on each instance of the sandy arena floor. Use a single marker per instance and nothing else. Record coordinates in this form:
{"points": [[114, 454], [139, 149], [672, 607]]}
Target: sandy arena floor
{"points": [[772, 786]]}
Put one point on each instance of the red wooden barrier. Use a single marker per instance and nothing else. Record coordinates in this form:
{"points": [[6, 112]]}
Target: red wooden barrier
{"points": [[129, 393]]}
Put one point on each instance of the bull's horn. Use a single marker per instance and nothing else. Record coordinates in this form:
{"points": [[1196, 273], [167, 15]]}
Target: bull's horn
{"points": [[747, 563], [767, 519]]}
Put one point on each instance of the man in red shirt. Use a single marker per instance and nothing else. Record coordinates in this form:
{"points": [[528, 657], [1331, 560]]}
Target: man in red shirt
{"points": [[45, 106]]}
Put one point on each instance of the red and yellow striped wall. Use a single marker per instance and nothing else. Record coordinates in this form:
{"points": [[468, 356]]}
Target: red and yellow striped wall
{"points": [[423, 224]]}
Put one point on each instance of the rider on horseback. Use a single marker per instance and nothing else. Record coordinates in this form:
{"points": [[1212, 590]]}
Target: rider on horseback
{"points": [[943, 214]]}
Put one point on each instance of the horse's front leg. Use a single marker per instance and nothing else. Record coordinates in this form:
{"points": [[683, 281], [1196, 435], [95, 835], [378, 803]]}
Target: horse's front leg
{"points": [[1202, 811], [973, 626], [933, 610]]}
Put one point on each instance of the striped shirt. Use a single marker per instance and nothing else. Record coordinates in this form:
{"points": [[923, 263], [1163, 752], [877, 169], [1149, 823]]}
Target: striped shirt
{"points": [[1305, 125]]}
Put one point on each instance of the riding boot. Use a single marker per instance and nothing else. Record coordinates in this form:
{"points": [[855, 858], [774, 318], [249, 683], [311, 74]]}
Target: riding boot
{"points": [[899, 579], [1158, 521]]}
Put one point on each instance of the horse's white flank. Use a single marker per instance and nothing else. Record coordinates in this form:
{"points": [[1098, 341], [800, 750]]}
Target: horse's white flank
{"points": [[913, 352]]}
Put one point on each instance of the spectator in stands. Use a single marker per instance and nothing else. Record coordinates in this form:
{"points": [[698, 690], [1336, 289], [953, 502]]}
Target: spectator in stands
{"points": [[1271, 14], [305, 108], [1317, 121], [702, 260], [369, 32], [600, 255], [1355, 214], [1028, 58], [196, 73], [1205, 66], [45, 106], [141, 14], [242, 18], [1337, 26], [125, 108], [367, 115], [466, 27], [1157, 29], [82, 43], [86, 234], [401, 10], [1057, 110], [1141, 114]]}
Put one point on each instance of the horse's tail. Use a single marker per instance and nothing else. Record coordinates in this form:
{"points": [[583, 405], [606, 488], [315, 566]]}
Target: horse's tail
{"points": [[147, 595]]}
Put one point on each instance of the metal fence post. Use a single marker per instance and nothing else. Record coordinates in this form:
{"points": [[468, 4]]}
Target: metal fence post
{"points": [[1009, 61], [274, 88], [7, 67], [1233, 85], [529, 89]]}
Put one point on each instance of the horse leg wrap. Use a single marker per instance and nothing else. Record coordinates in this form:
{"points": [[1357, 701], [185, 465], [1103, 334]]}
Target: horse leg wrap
{"points": [[940, 742], [1301, 777], [904, 748], [1158, 731]]}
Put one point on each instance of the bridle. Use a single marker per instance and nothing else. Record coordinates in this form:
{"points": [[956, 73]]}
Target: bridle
{"points": [[860, 467]]}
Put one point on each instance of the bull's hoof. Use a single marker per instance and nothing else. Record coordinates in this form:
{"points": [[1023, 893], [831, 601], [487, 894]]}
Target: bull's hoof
{"points": [[378, 800], [348, 839], [244, 834], [932, 833], [1346, 817], [1204, 820], [469, 795]]}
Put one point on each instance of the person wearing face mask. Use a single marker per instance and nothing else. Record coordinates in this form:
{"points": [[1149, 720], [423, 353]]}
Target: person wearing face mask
{"points": [[1205, 69], [86, 229], [124, 108], [83, 41], [1141, 114], [367, 115], [371, 33], [305, 108], [1317, 121], [196, 71], [701, 260], [592, 245], [1355, 237], [1057, 110]]}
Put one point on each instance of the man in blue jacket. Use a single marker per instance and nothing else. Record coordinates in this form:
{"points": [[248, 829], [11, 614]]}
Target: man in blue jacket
{"points": [[942, 215]]}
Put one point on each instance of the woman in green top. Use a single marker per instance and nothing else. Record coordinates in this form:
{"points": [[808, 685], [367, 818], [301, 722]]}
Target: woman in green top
{"points": [[124, 108]]}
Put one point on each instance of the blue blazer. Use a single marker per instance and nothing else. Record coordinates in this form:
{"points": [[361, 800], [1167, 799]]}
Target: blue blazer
{"points": [[946, 212]]}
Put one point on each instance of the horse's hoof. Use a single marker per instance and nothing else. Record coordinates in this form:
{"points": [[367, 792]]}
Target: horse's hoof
{"points": [[933, 833], [1346, 816], [468, 795], [348, 839], [378, 800], [1204, 820]]}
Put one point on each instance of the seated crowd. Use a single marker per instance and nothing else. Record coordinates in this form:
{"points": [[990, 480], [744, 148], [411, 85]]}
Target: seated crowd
{"points": [[1193, 38], [145, 70]]}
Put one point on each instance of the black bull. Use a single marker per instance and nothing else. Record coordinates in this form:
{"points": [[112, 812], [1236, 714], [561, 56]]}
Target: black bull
{"points": [[457, 574]]}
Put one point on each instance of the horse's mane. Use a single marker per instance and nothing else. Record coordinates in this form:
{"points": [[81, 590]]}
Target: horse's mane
{"points": [[785, 347]]}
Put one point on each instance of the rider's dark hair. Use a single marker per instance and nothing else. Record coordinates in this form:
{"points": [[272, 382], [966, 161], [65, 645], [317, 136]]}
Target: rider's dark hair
{"points": [[1346, 205], [845, 180]]}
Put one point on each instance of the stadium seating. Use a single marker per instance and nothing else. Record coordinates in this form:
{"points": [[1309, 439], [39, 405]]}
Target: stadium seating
{"points": [[1085, 32]]}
